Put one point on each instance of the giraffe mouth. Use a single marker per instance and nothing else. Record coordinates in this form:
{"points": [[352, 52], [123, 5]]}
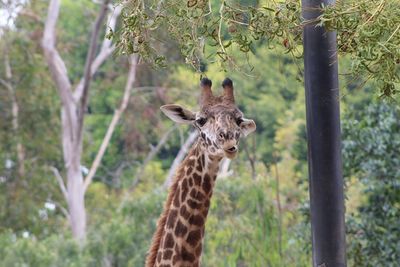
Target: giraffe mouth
{"points": [[230, 153]]}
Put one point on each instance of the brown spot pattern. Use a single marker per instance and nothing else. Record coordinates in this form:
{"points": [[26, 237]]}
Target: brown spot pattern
{"points": [[197, 179], [193, 204], [193, 237], [191, 163], [196, 220], [175, 259], [169, 241], [197, 195], [198, 250], [180, 229], [190, 204], [172, 218], [167, 254], [206, 183], [184, 212], [199, 168], [185, 190], [159, 256], [207, 203], [186, 255]]}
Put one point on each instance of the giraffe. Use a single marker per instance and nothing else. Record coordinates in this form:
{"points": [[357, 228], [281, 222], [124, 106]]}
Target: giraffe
{"points": [[180, 228]]}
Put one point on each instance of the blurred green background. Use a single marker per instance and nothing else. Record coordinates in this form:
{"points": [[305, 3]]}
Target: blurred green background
{"points": [[259, 212]]}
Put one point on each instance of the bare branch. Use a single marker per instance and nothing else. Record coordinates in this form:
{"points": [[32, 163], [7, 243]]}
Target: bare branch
{"points": [[88, 65], [112, 22], [31, 15], [60, 181], [179, 157], [114, 121], [251, 157], [153, 152], [6, 84], [62, 209], [106, 50], [56, 64]]}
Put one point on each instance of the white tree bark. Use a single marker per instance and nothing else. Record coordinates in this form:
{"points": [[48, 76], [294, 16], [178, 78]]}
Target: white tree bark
{"points": [[224, 168], [179, 157], [73, 109]]}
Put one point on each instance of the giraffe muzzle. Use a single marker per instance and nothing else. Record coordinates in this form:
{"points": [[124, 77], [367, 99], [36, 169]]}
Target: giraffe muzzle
{"points": [[231, 152]]}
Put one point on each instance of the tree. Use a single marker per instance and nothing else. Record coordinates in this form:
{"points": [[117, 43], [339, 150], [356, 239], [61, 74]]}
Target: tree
{"points": [[74, 106], [371, 146]]}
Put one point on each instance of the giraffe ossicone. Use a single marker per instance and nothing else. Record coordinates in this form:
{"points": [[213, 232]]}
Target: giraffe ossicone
{"points": [[180, 229]]}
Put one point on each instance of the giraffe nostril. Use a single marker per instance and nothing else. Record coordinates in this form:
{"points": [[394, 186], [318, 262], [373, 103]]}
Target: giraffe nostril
{"points": [[232, 149]]}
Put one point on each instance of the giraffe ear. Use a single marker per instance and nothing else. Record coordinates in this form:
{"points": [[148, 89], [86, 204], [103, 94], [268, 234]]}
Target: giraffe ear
{"points": [[247, 126], [178, 114]]}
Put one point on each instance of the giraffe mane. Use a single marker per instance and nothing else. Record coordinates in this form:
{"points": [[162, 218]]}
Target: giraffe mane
{"points": [[156, 241]]}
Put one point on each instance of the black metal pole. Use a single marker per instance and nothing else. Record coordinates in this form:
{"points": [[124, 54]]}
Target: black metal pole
{"points": [[324, 142]]}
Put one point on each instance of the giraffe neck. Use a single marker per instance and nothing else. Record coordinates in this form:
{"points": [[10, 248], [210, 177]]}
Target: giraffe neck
{"points": [[178, 239]]}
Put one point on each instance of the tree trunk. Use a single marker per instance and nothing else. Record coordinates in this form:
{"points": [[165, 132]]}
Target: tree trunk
{"points": [[72, 159], [76, 200]]}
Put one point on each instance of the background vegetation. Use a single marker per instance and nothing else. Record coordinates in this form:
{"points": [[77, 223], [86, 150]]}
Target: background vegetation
{"points": [[259, 212]]}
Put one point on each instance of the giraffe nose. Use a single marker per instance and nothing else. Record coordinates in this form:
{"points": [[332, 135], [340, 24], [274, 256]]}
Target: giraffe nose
{"points": [[232, 149], [230, 146]]}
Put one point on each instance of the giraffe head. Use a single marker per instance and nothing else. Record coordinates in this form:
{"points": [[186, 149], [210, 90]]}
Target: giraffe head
{"points": [[219, 121]]}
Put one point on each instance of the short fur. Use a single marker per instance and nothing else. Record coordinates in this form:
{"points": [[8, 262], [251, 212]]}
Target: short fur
{"points": [[152, 254]]}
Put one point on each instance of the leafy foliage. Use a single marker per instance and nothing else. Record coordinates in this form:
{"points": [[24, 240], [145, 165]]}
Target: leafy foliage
{"points": [[123, 239], [371, 148], [211, 31], [369, 32]]}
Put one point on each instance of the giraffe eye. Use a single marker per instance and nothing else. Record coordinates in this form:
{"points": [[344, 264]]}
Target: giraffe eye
{"points": [[239, 121], [201, 121]]}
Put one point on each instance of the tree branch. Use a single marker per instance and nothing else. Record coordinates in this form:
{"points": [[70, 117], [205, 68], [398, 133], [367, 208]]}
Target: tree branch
{"points": [[30, 14], [179, 157], [117, 115], [6, 84], [56, 64], [153, 152], [62, 209], [224, 168], [106, 50], [60, 182], [88, 66]]}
